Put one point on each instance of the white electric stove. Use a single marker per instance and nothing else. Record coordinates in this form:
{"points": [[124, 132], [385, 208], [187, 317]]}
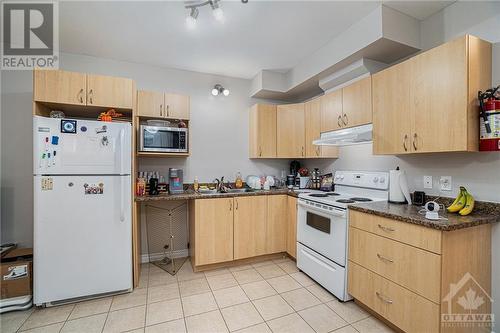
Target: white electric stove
{"points": [[322, 226]]}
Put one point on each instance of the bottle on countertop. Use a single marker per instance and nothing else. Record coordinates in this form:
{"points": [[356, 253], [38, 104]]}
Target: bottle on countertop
{"points": [[238, 183], [196, 185]]}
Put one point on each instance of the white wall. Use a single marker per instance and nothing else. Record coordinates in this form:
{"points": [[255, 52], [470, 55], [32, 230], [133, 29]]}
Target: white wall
{"points": [[219, 132], [479, 172]]}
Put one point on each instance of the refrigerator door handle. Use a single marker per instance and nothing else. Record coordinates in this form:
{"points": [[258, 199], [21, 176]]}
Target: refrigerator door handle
{"points": [[122, 148], [122, 199]]}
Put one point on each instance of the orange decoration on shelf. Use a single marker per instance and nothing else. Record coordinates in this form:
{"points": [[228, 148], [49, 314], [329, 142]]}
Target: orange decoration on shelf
{"points": [[109, 115]]}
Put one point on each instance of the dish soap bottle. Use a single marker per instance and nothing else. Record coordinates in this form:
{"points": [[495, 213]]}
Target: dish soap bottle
{"points": [[238, 183], [196, 185]]}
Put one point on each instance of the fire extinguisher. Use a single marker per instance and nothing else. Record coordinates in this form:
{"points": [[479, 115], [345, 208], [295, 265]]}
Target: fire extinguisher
{"points": [[489, 127]]}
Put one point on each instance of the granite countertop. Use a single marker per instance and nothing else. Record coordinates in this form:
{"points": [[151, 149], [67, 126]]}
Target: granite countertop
{"points": [[484, 212], [190, 195]]}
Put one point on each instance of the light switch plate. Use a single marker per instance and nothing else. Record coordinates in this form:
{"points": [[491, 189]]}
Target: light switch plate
{"points": [[427, 181], [445, 182]]}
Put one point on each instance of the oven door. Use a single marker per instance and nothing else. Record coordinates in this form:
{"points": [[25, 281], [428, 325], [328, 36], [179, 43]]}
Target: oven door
{"points": [[323, 229], [163, 139]]}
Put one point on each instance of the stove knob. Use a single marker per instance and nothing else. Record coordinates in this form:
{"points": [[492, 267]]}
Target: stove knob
{"points": [[342, 177], [382, 180], [375, 179]]}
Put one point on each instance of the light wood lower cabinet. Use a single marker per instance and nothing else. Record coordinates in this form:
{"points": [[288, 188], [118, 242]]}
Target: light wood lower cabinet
{"points": [[291, 240], [250, 226], [414, 276], [227, 229], [403, 308], [277, 223], [211, 230]]}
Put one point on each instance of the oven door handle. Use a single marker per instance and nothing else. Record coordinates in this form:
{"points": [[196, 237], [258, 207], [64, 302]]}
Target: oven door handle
{"points": [[334, 212]]}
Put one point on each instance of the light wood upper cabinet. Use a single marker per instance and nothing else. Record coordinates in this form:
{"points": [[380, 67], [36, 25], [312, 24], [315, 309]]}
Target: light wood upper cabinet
{"points": [[250, 219], [150, 104], [357, 103], [331, 111], [262, 131], [54, 86], [391, 110], [429, 102], [290, 131], [213, 230], [291, 240], [177, 106], [312, 121], [277, 207], [109, 91]]}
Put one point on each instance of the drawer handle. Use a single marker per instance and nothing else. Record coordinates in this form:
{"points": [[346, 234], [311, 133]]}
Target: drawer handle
{"points": [[384, 298], [384, 258], [385, 228]]}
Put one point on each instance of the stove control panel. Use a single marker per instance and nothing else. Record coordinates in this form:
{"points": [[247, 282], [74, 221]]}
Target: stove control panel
{"points": [[367, 179]]}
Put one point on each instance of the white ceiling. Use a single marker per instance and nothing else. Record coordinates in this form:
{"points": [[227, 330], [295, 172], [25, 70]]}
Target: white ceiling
{"points": [[258, 35]]}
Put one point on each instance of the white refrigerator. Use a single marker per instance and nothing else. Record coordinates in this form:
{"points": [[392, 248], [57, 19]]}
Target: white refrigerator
{"points": [[82, 209]]}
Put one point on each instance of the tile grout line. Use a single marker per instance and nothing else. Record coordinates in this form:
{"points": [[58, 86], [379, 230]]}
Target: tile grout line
{"points": [[218, 308]]}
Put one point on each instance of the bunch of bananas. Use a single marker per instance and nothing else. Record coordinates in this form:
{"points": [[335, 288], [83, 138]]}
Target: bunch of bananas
{"points": [[463, 204]]}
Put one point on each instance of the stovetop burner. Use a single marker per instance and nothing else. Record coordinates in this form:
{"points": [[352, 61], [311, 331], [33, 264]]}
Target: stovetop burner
{"points": [[361, 199], [318, 195], [345, 201]]}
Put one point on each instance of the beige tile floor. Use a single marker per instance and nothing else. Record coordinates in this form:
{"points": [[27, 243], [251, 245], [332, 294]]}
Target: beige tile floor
{"points": [[270, 296]]}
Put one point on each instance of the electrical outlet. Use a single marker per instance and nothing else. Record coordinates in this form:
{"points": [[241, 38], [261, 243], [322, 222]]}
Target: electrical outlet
{"points": [[427, 181], [445, 182]]}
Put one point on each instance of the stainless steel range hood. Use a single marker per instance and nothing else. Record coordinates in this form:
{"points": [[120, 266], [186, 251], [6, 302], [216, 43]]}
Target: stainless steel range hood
{"points": [[346, 136]]}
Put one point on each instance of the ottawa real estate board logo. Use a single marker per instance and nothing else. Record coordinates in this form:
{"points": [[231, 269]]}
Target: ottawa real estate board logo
{"points": [[30, 35], [468, 305]]}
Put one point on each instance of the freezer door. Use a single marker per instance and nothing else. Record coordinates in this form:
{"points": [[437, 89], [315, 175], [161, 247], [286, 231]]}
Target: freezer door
{"points": [[82, 236], [73, 146]]}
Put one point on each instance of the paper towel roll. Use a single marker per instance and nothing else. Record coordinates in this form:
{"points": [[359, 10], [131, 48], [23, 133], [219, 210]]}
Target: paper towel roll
{"points": [[398, 187]]}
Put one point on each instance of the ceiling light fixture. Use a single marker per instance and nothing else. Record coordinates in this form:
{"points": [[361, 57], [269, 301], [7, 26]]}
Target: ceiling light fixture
{"points": [[191, 18], [219, 89], [195, 4]]}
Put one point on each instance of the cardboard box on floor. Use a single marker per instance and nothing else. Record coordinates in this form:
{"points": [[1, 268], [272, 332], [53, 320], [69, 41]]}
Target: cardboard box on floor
{"points": [[16, 269]]}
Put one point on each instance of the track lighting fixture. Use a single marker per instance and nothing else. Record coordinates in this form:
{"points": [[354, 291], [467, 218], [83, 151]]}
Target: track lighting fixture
{"points": [[191, 18], [193, 7], [219, 89]]}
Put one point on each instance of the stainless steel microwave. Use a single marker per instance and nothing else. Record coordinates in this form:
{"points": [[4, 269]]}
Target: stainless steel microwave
{"points": [[163, 139]]}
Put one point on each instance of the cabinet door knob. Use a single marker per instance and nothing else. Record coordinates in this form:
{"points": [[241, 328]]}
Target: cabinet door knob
{"points": [[161, 110], [260, 151], [230, 204], [415, 141], [236, 204], [168, 110], [345, 120], [338, 121], [404, 142], [91, 95], [302, 151]]}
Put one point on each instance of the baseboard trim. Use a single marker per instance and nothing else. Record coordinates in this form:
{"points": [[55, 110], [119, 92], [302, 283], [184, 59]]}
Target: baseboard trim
{"points": [[146, 257]]}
